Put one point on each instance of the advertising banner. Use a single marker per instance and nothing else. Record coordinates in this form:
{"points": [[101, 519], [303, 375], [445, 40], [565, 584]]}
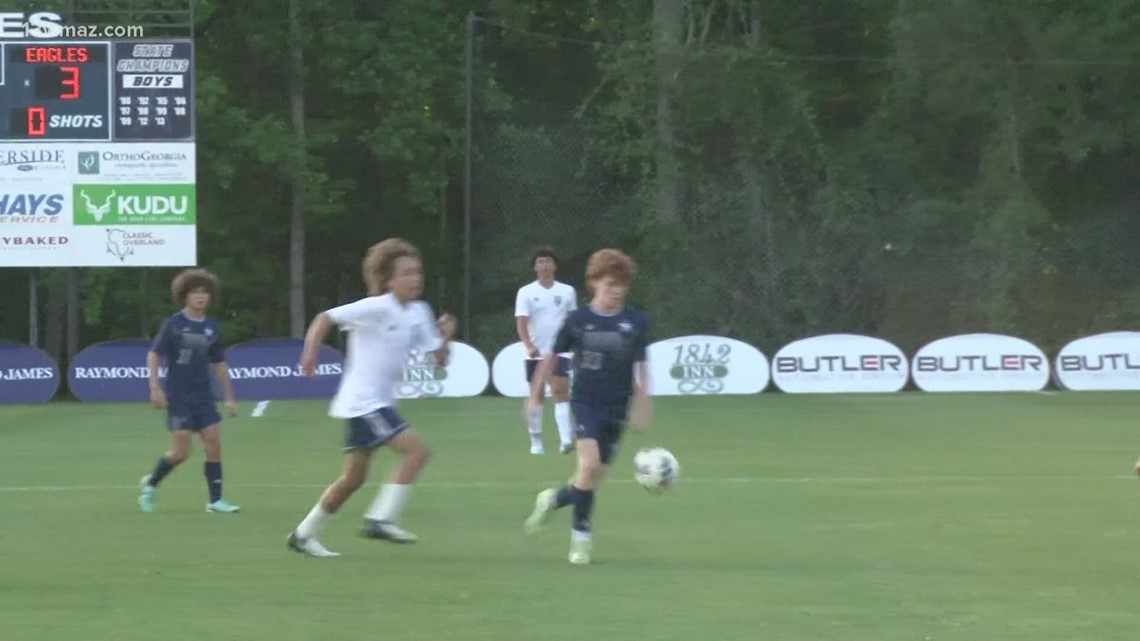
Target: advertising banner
{"points": [[27, 374], [840, 364], [24, 164], [1104, 362], [701, 364], [267, 369], [134, 163], [134, 204], [508, 372], [467, 374], [134, 246], [114, 371], [980, 363]]}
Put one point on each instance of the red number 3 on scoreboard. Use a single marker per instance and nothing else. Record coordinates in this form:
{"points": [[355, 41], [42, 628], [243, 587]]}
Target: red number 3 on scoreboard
{"points": [[70, 79]]}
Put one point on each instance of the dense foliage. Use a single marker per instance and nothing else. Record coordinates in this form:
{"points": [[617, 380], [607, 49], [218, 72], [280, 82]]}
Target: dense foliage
{"points": [[780, 168]]}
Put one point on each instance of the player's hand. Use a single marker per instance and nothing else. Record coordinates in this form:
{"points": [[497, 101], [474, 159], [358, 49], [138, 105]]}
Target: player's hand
{"points": [[641, 414], [447, 325], [158, 398], [308, 365], [532, 351], [231, 405]]}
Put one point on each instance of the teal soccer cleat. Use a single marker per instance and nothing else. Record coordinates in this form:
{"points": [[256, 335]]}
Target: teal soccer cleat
{"points": [[222, 506]]}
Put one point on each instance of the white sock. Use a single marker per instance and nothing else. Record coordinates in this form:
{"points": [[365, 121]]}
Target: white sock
{"points": [[578, 535], [534, 426], [314, 522], [388, 502], [565, 426]]}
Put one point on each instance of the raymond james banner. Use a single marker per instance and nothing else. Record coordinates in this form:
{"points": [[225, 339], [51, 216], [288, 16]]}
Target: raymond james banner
{"points": [[114, 371], [267, 369], [27, 374]]}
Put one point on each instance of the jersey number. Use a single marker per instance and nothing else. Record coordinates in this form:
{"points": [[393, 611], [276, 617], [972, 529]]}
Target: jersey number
{"points": [[184, 356], [591, 360]]}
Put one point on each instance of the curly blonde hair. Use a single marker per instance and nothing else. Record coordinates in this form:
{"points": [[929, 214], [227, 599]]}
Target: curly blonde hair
{"points": [[380, 263], [610, 263]]}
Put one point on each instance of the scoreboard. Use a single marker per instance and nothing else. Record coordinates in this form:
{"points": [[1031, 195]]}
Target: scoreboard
{"points": [[98, 161], [111, 91]]}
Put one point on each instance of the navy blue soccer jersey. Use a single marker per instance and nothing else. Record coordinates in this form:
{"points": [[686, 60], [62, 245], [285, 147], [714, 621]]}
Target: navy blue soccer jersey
{"points": [[189, 347], [605, 349]]}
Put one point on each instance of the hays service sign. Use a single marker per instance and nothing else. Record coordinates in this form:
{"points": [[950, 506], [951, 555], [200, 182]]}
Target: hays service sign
{"points": [[689, 365], [27, 374], [840, 364], [1105, 362], [980, 363]]}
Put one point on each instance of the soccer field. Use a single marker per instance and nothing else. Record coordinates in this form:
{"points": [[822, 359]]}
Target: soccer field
{"points": [[907, 516]]}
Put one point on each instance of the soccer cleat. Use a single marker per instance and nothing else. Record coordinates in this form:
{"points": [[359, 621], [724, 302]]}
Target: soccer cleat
{"points": [[543, 506], [566, 448], [309, 547], [537, 450], [222, 506], [146, 496], [580, 551], [387, 531]]}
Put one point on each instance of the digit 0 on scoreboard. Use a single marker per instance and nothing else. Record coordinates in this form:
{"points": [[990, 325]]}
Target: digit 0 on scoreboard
{"points": [[55, 91]]}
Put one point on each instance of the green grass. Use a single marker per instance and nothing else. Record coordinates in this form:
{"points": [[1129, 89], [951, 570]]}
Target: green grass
{"points": [[897, 517]]}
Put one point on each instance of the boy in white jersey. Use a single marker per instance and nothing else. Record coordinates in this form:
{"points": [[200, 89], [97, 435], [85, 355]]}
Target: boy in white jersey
{"points": [[384, 330], [540, 308]]}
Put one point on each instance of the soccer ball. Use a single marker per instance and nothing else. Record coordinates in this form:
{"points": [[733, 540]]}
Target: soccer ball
{"points": [[655, 468]]}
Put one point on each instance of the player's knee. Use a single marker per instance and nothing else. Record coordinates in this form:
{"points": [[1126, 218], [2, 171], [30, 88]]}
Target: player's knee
{"points": [[589, 468], [419, 454]]}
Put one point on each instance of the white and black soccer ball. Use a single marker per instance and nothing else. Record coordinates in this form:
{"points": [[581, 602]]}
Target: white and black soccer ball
{"points": [[655, 468]]}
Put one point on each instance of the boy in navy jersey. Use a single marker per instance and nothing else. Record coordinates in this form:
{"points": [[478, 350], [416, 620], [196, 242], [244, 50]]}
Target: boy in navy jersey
{"points": [[609, 342], [191, 346]]}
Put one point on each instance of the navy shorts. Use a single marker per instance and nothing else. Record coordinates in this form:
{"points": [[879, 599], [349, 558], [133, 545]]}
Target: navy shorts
{"points": [[373, 430], [561, 369], [603, 424], [194, 417]]}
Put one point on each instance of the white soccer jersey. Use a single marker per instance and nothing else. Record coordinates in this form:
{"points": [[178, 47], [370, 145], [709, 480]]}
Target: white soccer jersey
{"points": [[381, 335], [545, 310]]}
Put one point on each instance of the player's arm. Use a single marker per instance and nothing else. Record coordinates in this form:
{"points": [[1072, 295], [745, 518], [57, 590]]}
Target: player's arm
{"points": [[222, 374], [522, 324], [159, 349], [565, 342], [440, 332], [363, 312], [642, 401]]}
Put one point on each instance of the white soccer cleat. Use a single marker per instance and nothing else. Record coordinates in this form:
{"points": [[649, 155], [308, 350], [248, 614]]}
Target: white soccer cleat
{"points": [[580, 551], [309, 547], [387, 531], [543, 506], [537, 450]]}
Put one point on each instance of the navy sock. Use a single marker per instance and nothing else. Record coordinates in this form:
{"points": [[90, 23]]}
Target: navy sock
{"points": [[161, 469], [564, 497], [583, 505], [214, 479]]}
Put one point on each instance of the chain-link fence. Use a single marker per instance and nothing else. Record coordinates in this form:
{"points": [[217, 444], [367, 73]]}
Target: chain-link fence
{"points": [[779, 239]]}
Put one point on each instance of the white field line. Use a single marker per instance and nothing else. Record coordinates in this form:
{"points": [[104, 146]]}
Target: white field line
{"points": [[851, 480]]}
